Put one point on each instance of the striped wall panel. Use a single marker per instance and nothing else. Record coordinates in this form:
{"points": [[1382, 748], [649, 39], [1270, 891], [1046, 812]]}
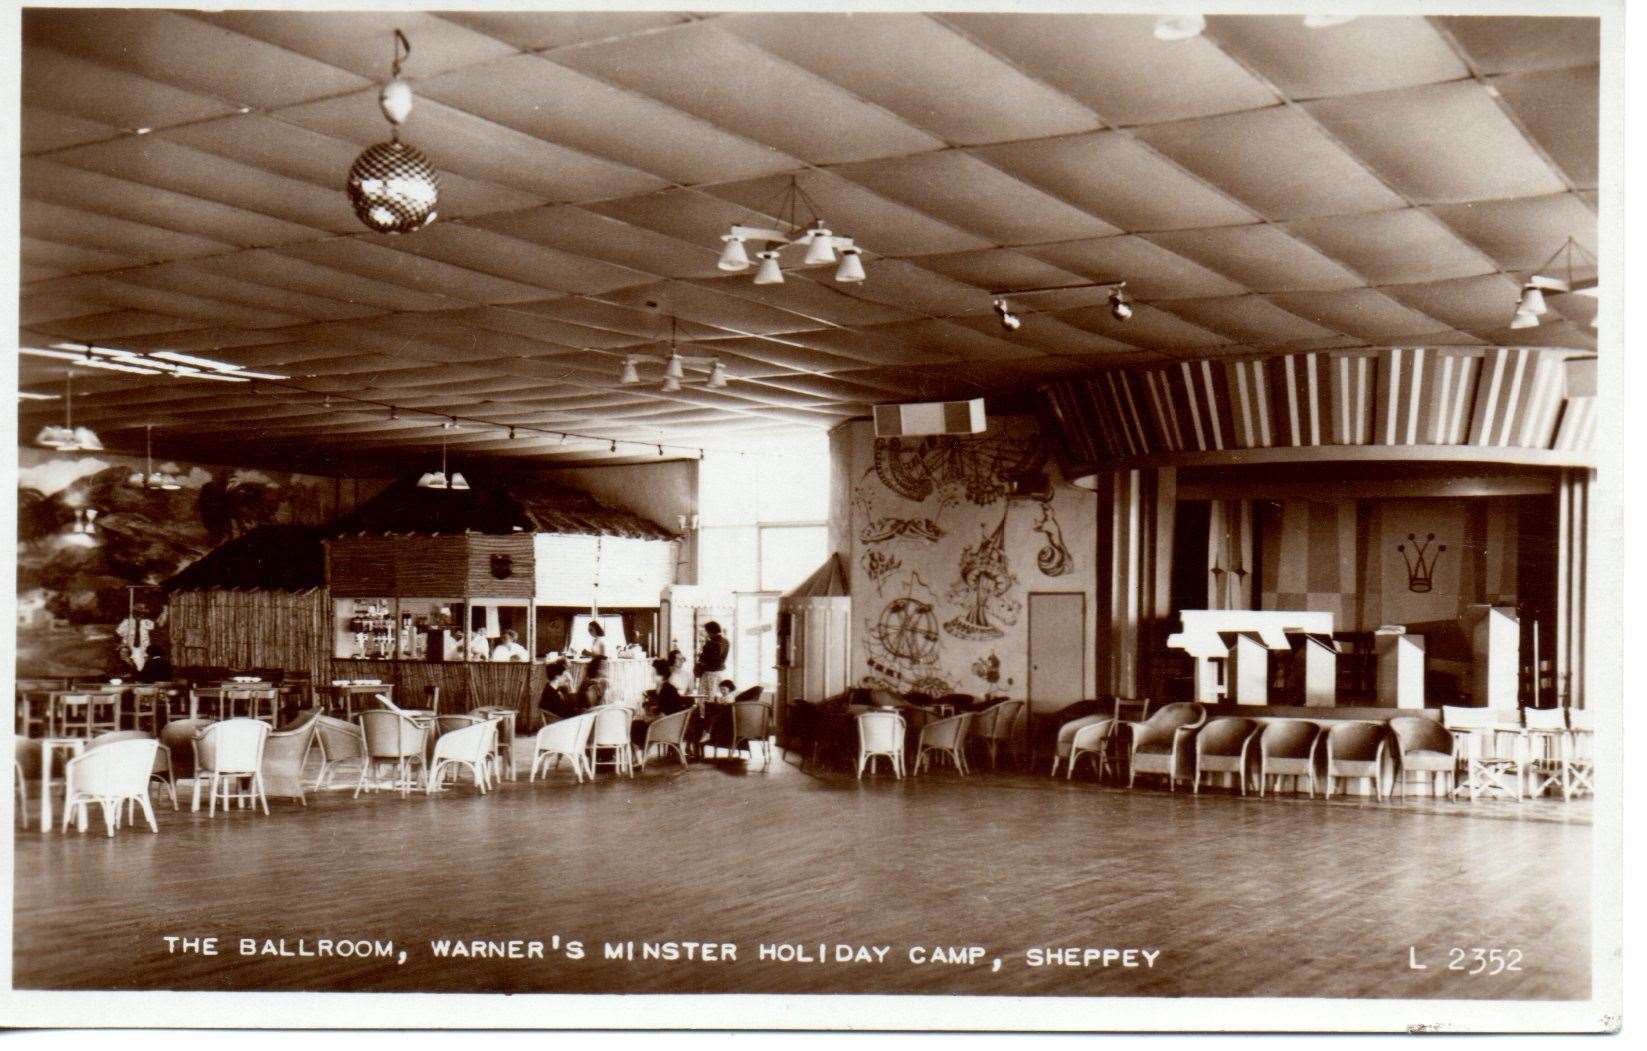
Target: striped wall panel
{"points": [[1522, 398]]}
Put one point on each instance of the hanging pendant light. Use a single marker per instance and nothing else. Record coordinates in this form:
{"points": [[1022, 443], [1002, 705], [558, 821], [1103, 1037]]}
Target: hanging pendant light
{"points": [[443, 479], [734, 256], [769, 272], [1532, 301], [851, 269], [671, 384], [676, 370], [821, 247], [66, 437], [149, 478], [393, 187], [631, 375], [717, 375], [1522, 320]]}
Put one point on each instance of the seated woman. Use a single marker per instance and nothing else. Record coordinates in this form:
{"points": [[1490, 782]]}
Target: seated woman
{"points": [[558, 700], [666, 697]]}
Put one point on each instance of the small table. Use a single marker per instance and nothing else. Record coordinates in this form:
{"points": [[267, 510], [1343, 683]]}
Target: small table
{"points": [[344, 696], [48, 749]]}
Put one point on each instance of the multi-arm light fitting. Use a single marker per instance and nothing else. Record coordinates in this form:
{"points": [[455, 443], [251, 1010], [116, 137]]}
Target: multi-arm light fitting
{"points": [[66, 437], [393, 187], [444, 479], [823, 245], [1120, 302], [151, 478], [1531, 307], [675, 366]]}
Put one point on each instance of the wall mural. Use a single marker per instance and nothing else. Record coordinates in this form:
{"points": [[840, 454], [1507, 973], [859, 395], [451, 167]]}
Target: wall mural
{"points": [[1421, 562], [89, 603], [950, 535]]}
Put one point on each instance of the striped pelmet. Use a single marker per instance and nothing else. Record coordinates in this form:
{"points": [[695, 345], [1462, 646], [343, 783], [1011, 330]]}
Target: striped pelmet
{"points": [[1395, 396]]}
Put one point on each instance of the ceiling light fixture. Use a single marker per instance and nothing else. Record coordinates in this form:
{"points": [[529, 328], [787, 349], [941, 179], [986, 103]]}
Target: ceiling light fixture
{"points": [[717, 375], [676, 366], [1009, 321], [1555, 278], [1012, 317], [823, 245], [630, 374], [151, 478], [66, 437], [442, 479], [393, 187], [1179, 27]]}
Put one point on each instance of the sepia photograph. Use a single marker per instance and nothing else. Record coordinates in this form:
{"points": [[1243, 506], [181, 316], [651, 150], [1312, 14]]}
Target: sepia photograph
{"points": [[903, 516]]}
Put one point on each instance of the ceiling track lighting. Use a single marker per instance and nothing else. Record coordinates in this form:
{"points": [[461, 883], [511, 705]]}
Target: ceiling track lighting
{"points": [[1556, 277], [1011, 317], [149, 478], [823, 245], [66, 437], [392, 186]]}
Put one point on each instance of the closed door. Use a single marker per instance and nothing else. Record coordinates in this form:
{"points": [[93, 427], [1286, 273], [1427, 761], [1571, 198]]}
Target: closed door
{"points": [[1057, 649]]}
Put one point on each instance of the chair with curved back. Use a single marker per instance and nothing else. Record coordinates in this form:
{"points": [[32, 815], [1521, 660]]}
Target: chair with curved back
{"points": [[286, 754], [116, 773], [1161, 743], [162, 770], [392, 737], [995, 726], [506, 719], [340, 742], [567, 737], [944, 737], [667, 734], [1224, 746], [881, 733], [751, 722], [1287, 748], [613, 733], [1068, 729], [470, 747], [1423, 746], [1355, 750], [227, 753]]}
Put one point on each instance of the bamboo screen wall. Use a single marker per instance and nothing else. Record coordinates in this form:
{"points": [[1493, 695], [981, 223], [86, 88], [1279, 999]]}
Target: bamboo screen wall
{"points": [[252, 629]]}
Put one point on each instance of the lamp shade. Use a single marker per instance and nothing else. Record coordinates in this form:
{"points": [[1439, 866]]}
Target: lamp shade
{"points": [[630, 373], [457, 481], [822, 248], [676, 369], [769, 273], [1532, 301], [55, 436], [717, 375], [851, 269], [734, 256], [394, 188], [1524, 320], [671, 384], [432, 480]]}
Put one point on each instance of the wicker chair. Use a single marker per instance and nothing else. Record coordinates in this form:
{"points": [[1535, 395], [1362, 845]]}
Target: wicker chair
{"points": [[506, 720], [392, 737], [1160, 744], [1423, 746], [1286, 748], [1355, 751], [286, 754], [1224, 746], [226, 753], [116, 773], [340, 742], [1066, 737], [994, 727], [564, 737], [751, 722], [613, 733], [471, 747], [1094, 738], [162, 771], [667, 734], [945, 737], [881, 733]]}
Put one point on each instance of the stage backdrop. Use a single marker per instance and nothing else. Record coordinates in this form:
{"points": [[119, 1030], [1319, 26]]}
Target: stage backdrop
{"points": [[1376, 562], [948, 537], [75, 591]]}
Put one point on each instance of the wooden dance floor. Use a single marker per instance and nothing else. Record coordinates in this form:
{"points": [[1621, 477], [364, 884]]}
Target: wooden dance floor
{"points": [[1238, 897]]}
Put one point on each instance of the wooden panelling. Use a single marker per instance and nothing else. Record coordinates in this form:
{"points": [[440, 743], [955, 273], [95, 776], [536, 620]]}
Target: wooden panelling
{"points": [[1395, 397], [251, 629], [430, 566], [484, 582]]}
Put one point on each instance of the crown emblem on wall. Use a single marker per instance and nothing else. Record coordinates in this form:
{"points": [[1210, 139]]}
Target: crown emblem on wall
{"points": [[1420, 561]]}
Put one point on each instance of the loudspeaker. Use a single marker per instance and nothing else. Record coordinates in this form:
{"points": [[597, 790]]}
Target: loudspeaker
{"points": [[931, 417]]}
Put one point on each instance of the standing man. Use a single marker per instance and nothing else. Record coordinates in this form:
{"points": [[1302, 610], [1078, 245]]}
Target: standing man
{"points": [[711, 659]]}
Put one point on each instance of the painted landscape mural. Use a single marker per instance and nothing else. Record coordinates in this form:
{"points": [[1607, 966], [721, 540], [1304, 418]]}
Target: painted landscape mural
{"points": [[89, 602], [939, 603]]}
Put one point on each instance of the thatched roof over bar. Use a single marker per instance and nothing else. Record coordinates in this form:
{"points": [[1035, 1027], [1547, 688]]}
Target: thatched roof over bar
{"points": [[497, 505], [268, 558]]}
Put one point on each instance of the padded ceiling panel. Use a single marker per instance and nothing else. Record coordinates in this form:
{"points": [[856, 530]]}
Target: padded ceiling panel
{"points": [[1261, 188]]}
